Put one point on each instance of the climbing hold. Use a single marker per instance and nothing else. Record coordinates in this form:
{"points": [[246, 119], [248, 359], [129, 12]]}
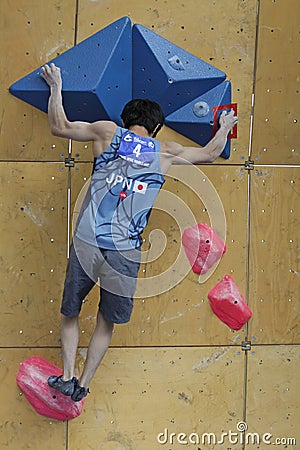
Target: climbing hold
{"points": [[217, 110], [103, 72], [199, 123], [97, 79], [203, 247], [176, 63], [228, 303], [200, 109], [154, 64], [32, 380]]}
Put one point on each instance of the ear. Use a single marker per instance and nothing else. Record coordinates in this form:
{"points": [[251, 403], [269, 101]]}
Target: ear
{"points": [[156, 129]]}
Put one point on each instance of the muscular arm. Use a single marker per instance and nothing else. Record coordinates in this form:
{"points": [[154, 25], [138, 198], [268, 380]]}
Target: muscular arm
{"points": [[197, 155], [59, 124]]}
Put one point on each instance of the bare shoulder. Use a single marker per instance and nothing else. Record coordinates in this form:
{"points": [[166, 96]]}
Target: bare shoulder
{"points": [[104, 129], [104, 132], [170, 148], [168, 153]]}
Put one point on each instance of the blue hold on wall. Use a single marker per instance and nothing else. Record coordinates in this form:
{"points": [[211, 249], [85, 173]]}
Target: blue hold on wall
{"points": [[96, 73], [168, 74], [196, 119], [103, 72]]}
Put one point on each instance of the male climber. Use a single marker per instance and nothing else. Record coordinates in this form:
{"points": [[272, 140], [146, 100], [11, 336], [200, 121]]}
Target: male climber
{"points": [[128, 172]]}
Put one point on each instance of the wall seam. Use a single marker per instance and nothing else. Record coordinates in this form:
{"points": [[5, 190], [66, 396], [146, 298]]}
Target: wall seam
{"points": [[248, 238], [69, 190]]}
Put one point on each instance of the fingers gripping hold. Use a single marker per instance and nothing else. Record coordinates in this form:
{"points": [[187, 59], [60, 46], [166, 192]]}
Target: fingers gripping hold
{"points": [[51, 74], [228, 119]]}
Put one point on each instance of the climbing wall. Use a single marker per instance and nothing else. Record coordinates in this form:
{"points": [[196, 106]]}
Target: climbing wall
{"points": [[176, 376]]}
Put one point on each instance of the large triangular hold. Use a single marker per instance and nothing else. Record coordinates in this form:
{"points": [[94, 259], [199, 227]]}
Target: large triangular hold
{"points": [[97, 76], [166, 73], [32, 380], [196, 120]]}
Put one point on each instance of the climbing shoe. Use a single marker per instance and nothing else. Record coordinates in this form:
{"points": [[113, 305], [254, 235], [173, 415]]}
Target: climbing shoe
{"points": [[65, 387], [79, 393]]}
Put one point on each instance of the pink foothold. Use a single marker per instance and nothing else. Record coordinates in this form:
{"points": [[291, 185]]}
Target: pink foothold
{"points": [[228, 303], [32, 380]]}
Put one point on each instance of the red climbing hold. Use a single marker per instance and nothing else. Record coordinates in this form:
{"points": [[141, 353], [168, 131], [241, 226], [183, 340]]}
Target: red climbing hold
{"points": [[203, 247], [228, 303], [32, 380]]}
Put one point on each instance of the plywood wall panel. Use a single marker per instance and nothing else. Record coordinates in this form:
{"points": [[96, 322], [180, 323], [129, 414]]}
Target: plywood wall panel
{"points": [[181, 315], [222, 36], [33, 251], [137, 393], [274, 255], [20, 426], [32, 33], [273, 395], [277, 98]]}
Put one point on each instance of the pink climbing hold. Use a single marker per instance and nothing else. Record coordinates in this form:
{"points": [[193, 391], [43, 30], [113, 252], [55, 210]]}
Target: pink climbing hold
{"points": [[228, 303], [203, 247], [32, 380]]}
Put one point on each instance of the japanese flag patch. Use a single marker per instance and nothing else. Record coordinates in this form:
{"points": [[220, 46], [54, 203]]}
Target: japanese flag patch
{"points": [[140, 187]]}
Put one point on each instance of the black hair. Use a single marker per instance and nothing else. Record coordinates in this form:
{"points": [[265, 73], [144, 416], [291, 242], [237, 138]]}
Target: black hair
{"points": [[145, 113]]}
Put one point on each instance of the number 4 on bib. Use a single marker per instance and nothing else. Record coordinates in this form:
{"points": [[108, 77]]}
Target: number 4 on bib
{"points": [[137, 150]]}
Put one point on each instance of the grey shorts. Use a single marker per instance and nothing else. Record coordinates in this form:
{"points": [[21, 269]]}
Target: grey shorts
{"points": [[117, 273]]}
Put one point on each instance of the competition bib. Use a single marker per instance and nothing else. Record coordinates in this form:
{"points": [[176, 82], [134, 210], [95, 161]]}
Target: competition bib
{"points": [[137, 149]]}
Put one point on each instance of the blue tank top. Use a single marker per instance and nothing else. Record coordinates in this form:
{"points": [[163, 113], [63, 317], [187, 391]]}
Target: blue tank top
{"points": [[125, 182]]}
